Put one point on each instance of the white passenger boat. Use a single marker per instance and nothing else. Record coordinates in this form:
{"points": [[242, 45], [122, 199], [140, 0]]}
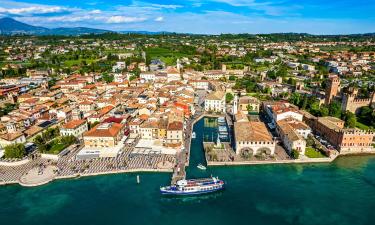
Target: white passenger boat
{"points": [[193, 135], [194, 187]]}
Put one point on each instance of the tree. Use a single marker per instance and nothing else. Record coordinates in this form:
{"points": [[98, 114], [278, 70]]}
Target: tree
{"points": [[367, 116], [295, 154], [132, 77], [68, 140], [15, 151], [282, 72], [271, 74], [295, 98], [107, 78], [335, 109], [91, 125], [232, 78], [292, 81], [249, 108], [304, 102], [324, 111], [229, 97], [350, 119]]}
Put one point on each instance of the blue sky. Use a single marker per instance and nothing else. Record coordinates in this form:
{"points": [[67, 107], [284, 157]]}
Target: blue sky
{"points": [[194, 16]]}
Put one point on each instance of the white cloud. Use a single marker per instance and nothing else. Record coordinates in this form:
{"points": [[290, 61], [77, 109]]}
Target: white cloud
{"points": [[96, 11], [34, 10], [237, 2], [54, 19], [159, 19], [125, 19], [166, 6]]}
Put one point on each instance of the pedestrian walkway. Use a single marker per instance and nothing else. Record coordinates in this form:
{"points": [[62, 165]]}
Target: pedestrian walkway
{"points": [[38, 176]]}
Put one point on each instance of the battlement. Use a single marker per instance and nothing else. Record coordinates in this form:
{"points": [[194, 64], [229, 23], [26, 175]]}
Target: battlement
{"points": [[353, 131], [353, 99]]}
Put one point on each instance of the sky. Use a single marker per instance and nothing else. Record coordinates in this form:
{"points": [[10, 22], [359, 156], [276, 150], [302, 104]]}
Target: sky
{"points": [[199, 16]]}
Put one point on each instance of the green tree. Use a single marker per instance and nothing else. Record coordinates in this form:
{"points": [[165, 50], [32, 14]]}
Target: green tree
{"points": [[232, 78], [324, 111], [367, 116], [229, 97], [107, 78], [335, 109], [91, 125], [132, 77], [295, 154], [292, 81], [271, 74], [295, 98], [249, 108], [282, 72], [14, 151], [68, 140], [350, 119]]}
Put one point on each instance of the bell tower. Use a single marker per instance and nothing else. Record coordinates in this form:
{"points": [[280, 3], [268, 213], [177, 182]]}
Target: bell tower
{"points": [[235, 105], [332, 88]]}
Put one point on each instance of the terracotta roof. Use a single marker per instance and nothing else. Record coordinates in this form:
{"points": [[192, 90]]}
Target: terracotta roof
{"points": [[172, 70], [251, 131], [11, 136], [105, 130], [73, 124], [175, 126], [86, 103], [113, 119], [216, 95], [288, 130], [33, 130]]}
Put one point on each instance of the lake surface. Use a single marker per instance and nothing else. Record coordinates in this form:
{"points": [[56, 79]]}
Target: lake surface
{"points": [[342, 193]]}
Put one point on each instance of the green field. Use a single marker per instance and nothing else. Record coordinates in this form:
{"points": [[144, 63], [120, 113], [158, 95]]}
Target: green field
{"points": [[362, 126], [57, 148], [168, 56], [77, 62], [312, 153]]}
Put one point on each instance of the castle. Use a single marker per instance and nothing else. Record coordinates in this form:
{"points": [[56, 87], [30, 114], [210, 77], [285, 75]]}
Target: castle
{"points": [[350, 100]]}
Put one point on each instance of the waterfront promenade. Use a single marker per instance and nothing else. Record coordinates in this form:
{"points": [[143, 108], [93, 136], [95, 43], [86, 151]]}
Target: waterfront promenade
{"points": [[68, 167]]}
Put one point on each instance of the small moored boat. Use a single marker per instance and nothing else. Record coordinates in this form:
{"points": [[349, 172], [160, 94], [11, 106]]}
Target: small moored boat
{"points": [[200, 166], [223, 130], [194, 187], [193, 135], [221, 120]]}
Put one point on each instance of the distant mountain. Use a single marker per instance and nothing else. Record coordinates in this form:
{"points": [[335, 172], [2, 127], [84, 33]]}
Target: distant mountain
{"points": [[145, 32], [74, 31], [9, 26]]}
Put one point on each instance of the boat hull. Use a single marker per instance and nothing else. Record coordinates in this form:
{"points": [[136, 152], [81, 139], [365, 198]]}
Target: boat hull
{"points": [[181, 193]]}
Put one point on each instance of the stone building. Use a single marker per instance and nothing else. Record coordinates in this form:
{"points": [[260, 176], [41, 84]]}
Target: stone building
{"points": [[215, 101], [293, 133], [351, 102], [253, 138], [346, 140]]}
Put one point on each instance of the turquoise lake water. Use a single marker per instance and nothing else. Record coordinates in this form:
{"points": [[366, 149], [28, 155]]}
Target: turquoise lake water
{"points": [[342, 193]]}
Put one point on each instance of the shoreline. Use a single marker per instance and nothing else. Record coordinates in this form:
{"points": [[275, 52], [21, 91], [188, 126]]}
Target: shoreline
{"points": [[78, 175], [213, 164], [290, 161]]}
